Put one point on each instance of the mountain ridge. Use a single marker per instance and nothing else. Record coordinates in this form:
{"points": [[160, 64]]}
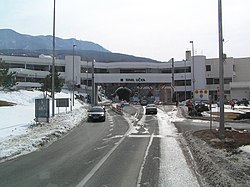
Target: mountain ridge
{"points": [[16, 44], [10, 39]]}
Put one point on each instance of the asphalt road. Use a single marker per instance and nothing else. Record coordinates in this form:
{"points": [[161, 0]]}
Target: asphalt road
{"points": [[68, 160], [93, 154]]}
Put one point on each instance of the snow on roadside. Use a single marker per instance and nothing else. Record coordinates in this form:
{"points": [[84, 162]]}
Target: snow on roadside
{"points": [[19, 135], [245, 148], [174, 170]]}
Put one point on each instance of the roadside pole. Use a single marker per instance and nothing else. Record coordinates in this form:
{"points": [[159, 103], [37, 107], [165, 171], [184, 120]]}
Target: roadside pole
{"points": [[93, 83], [221, 74], [210, 108], [172, 85]]}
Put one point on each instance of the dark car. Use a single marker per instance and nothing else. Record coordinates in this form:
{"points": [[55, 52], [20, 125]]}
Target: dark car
{"points": [[244, 102], [96, 113], [151, 109], [144, 102]]}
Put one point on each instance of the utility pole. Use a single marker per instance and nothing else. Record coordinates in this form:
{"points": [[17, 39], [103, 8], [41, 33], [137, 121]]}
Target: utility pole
{"points": [[93, 83], [172, 85], [185, 80], [192, 42], [73, 80], [221, 73], [53, 64]]}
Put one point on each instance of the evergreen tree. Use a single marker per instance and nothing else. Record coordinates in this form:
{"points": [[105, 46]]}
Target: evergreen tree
{"points": [[47, 82], [6, 78]]}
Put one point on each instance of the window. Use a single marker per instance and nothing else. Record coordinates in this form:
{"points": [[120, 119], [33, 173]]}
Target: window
{"points": [[16, 65], [227, 80], [101, 71], [212, 81], [208, 67], [169, 70], [182, 83], [133, 71]]}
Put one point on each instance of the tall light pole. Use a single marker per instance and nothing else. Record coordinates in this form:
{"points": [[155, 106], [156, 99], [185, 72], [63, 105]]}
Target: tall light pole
{"points": [[73, 80], [221, 73], [87, 82], [172, 82], [192, 42], [93, 83], [53, 63], [185, 80]]}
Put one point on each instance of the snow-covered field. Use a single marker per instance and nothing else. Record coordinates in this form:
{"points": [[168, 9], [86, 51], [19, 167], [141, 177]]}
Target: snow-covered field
{"points": [[18, 133]]}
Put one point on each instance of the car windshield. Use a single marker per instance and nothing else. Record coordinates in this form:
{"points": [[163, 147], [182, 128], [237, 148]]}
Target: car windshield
{"points": [[96, 109], [151, 105]]}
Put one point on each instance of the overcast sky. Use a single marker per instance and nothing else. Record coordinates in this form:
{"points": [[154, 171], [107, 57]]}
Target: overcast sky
{"points": [[157, 29]]}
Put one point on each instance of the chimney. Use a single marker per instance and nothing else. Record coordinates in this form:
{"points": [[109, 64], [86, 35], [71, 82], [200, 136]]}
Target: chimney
{"points": [[188, 55]]}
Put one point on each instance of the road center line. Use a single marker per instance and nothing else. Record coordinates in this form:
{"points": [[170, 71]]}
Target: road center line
{"points": [[144, 161], [100, 163]]}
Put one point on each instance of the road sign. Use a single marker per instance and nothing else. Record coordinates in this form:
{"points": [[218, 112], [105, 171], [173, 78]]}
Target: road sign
{"points": [[201, 95], [42, 110]]}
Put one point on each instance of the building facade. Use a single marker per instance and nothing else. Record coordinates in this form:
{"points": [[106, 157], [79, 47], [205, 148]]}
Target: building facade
{"points": [[165, 81]]}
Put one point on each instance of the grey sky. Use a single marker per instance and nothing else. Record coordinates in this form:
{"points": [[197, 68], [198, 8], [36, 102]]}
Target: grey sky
{"points": [[159, 29]]}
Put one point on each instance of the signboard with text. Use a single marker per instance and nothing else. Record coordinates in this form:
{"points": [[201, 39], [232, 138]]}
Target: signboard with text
{"points": [[42, 110], [62, 102]]}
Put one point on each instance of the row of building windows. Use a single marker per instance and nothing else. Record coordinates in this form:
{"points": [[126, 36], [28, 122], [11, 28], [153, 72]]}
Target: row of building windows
{"points": [[134, 71], [36, 67], [217, 81], [182, 82]]}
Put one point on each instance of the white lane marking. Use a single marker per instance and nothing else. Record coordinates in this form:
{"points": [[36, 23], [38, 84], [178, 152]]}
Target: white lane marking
{"points": [[145, 136], [113, 137], [98, 148], [100, 163], [109, 135], [144, 161], [111, 129]]}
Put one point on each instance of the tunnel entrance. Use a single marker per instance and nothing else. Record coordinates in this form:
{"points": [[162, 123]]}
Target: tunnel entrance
{"points": [[123, 93]]}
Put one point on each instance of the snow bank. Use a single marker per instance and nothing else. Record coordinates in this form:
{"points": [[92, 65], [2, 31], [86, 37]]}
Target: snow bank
{"points": [[19, 135], [174, 170], [245, 148], [218, 167]]}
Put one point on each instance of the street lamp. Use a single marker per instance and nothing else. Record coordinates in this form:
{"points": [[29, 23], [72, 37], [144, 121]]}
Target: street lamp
{"points": [[172, 82], [192, 42], [185, 80], [221, 73], [53, 64], [87, 82], [93, 98], [73, 80]]}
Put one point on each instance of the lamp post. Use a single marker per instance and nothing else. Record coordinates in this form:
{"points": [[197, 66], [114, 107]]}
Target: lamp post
{"points": [[185, 81], [192, 42], [53, 64], [172, 82], [87, 82], [73, 80], [221, 73], [93, 99]]}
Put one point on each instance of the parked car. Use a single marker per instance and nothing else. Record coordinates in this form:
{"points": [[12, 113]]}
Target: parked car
{"points": [[96, 113], [244, 102], [144, 102], [151, 109]]}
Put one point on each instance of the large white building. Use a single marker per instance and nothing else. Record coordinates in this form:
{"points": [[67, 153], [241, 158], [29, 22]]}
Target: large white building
{"points": [[141, 79]]}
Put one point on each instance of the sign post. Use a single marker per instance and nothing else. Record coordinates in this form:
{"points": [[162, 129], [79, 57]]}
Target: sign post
{"points": [[62, 102], [42, 110]]}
